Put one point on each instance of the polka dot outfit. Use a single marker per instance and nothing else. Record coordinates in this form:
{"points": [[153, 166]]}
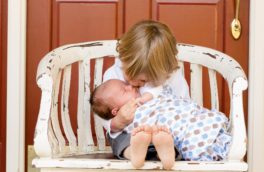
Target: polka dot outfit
{"points": [[199, 133]]}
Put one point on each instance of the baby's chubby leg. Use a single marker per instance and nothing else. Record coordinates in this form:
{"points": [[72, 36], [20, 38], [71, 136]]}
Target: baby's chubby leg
{"points": [[140, 140], [163, 142]]}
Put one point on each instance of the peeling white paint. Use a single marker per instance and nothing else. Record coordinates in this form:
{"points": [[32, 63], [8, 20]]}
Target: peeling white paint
{"points": [[50, 69]]}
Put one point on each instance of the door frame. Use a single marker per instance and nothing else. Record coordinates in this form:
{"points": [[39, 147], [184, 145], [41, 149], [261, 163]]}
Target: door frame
{"points": [[256, 87], [16, 60]]}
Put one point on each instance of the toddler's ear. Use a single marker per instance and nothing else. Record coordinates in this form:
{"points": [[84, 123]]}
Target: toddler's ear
{"points": [[114, 111]]}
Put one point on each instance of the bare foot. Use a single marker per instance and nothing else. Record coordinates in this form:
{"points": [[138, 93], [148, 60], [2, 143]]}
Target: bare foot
{"points": [[163, 142], [140, 140]]}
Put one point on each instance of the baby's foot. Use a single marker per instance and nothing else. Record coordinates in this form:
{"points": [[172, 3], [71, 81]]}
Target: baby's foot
{"points": [[163, 142], [140, 140]]}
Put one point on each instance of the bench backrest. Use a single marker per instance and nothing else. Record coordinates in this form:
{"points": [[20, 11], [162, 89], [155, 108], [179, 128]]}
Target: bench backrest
{"points": [[55, 68]]}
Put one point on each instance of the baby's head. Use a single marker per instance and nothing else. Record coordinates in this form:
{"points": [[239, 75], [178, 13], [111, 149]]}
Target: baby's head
{"points": [[110, 96]]}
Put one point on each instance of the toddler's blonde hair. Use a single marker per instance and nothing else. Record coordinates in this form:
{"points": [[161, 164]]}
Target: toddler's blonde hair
{"points": [[148, 47]]}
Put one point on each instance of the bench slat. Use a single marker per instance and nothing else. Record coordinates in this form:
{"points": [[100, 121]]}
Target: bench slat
{"points": [[196, 83], [181, 66], [214, 90], [98, 75], [85, 140], [86, 103], [54, 114], [65, 117], [52, 140]]}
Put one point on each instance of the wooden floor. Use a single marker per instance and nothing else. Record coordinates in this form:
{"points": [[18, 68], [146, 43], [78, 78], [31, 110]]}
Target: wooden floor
{"points": [[31, 156]]}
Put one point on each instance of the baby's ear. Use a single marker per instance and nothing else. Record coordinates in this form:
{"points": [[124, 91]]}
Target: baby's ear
{"points": [[114, 111]]}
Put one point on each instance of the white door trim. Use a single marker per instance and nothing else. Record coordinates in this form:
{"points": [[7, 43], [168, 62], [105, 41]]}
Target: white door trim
{"points": [[256, 88], [16, 58]]}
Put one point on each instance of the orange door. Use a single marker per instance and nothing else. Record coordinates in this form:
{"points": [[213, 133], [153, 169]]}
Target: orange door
{"points": [[57, 22]]}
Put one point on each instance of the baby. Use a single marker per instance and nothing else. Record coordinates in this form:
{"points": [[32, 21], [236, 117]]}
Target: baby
{"points": [[198, 133], [108, 98]]}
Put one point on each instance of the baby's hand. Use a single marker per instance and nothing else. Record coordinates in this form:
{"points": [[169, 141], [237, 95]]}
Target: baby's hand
{"points": [[126, 112], [124, 116], [139, 101], [144, 98]]}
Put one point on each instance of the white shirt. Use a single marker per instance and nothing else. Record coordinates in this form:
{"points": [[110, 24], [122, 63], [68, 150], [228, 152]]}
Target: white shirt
{"points": [[176, 83]]}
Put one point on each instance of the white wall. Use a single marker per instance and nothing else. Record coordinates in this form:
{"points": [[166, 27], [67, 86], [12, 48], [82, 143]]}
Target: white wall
{"points": [[16, 47], [256, 87]]}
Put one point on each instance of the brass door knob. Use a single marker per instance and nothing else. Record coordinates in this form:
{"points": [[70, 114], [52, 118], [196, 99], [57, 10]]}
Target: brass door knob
{"points": [[236, 25]]}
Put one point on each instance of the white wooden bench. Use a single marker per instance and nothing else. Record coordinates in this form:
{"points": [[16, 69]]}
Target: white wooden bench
{"points": [[57, 152]]}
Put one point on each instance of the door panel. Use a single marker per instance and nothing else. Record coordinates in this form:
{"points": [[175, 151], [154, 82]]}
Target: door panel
{"points": [[202, 24], [136, 10], [57, 22], [79, 21]]}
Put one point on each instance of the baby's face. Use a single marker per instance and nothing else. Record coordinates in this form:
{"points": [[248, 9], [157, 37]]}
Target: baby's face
{"points": [[119, 93]]}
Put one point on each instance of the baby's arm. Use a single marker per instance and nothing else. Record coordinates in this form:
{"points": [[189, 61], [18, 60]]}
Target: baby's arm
{"points": [[124, 116], [126, 113], [144, 98]]}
